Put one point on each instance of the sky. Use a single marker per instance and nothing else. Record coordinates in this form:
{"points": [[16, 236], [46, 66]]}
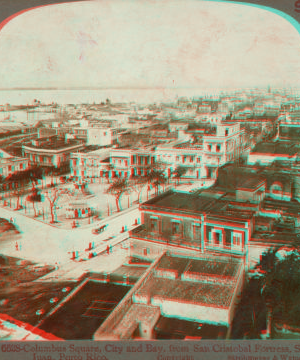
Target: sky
{"points": [[149, 45]]}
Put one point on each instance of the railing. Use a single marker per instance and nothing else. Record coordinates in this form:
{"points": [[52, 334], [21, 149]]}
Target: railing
{"points": [[141, 233]]}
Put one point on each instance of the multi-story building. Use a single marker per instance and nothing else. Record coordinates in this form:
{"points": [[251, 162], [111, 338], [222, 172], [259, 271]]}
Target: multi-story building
{"points": [[96, 135], [204, 108], [202, 156], [200, 151], [11, 164], [87, 163], [131, 161], [196, 222], [51, 152]]}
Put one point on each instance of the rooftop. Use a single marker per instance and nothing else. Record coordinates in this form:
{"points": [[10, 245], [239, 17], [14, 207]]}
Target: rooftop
{"points": [[291, 207], [181, 201], [218, 295], [173, 328], [52, 143], [249, 182], [274, 238], [203, 287], [89, 307], [276, 148]]}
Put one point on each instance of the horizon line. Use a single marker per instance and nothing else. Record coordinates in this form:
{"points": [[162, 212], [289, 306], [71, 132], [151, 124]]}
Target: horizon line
{"points": [[145, 88]]}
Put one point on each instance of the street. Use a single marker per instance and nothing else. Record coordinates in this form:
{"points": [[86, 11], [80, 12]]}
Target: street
{"points": [[44, 243]]}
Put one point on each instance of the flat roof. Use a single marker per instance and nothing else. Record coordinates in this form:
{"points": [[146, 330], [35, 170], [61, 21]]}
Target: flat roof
{"points": [[180, 201], [53, 144], [85, 311], [196, 203], [207, 294], [274, 238], [204, 290], [276, 148], [292, 207], [173, 328], [173, 263], [248, 182]]}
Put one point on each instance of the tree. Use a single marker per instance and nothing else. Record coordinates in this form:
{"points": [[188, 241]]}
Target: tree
{"points": [[108, 168], [18, 192], [280, 286], [179, 172], [34, 197], [51, 171], [117, 189], [53, 196], [138, 183], [156, 178], [34, 174], [269, 293]]}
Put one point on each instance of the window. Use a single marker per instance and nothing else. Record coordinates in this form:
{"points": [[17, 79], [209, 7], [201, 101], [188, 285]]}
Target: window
{"points": [[209, 147], [146, 251], [9, 167], [154, 225], [237, 239], [216, 237], [226, 132], [197, 231], [126, 162], [218, 148], [176, 227], [198, 160], [21, 166]]}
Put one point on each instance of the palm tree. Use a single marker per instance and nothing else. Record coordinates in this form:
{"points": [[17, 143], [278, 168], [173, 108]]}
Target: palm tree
{"points": [[179, 172], [156, 178]]}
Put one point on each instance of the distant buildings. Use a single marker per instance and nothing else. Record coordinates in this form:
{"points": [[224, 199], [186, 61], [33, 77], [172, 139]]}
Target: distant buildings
{"points": [[199, 150], [11, 164], [267, 153]]}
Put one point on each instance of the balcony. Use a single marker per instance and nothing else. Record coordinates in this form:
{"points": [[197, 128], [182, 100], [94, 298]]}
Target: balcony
{"points": [[142, 233]]}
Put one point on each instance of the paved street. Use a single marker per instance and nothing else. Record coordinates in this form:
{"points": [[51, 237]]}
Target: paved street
{"points": [[41, 242]]}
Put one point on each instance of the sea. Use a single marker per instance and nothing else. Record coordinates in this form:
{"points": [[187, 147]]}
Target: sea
{"points": [[90, 96]]}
